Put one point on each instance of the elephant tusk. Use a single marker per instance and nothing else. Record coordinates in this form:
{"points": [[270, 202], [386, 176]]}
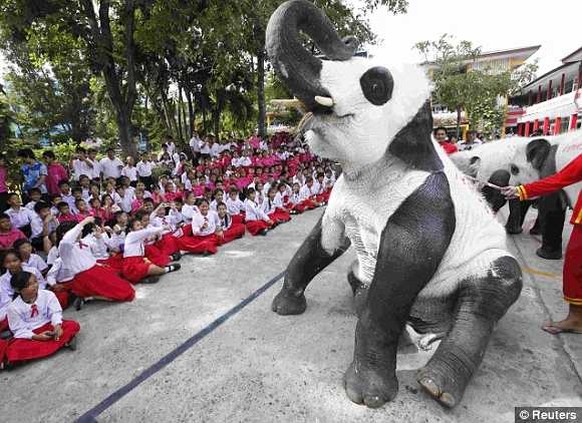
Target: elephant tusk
{"points": [[324, 101]]}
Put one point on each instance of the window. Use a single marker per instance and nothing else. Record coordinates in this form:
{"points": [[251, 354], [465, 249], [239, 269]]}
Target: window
{"points": [[565, 124], [568, 86]]}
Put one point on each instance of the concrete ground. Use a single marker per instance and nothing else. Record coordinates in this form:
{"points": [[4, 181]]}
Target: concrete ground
{"points": [[260, 367]]}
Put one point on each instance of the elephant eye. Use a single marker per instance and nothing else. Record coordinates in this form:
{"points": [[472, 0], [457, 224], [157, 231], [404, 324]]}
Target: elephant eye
{"points": [[377, 85], [514, 170]]}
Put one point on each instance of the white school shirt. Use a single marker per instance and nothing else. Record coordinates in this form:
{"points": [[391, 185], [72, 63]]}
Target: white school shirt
{"points": [[234, 207], [268, 208], [317, 188], [125, 202], [172, 220], [134, 241], [235, 162], [37, 262], [20, 217], [76, 255], [253, 212], [198, 221], [85, 194], [5, 301], [188, 211], [278, 201], [96, 174], [305, 192], [144, 169], [97, 245], [111, 168], [58, 273], [23, 319], [115, 241], [81, 167], [195, 144], [204, 148], [226, 222], [328, 182], [6, 287], [52, 255], [130, 172], [295, 198], [30, 205], [37, 226], [245, 161], [215, 150]]}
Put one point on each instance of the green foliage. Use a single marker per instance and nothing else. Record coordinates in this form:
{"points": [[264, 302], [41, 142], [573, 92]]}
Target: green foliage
{"points": [[460, 87], [110, 69]]}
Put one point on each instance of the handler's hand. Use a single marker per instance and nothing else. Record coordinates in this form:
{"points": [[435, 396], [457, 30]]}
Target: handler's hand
{"points": [[510, 192]]}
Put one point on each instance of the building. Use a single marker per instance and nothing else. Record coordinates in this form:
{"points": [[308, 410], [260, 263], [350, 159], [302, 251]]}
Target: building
{"points": [[552, 102], [492, 61]]}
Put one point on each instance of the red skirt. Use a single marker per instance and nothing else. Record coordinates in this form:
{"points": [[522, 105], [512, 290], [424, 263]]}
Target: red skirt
{"points": [[199, 244], [256, 226], [236, 230], [135, 268], [114, 262], [238, 219], [156, 256], [298, 208], [308, 204], [280, 216], [168, 245], [100, 281], [63, 297], [323, 198], [572, 273], [19, 350], [3, 348]]}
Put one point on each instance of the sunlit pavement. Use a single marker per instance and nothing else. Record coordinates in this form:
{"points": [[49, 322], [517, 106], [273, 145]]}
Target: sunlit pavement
{"points": [[260, 367]]}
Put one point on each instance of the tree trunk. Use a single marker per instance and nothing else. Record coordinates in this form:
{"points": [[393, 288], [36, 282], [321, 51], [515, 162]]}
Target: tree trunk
{"points": [[191, 115], [179, 113], [186, 131], [125, 132], [458, 123], [261, 92], [216, 113]]}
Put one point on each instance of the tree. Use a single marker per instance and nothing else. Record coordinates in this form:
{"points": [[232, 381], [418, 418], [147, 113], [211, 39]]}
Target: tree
{"points": [[459, 86], [346, 19]]}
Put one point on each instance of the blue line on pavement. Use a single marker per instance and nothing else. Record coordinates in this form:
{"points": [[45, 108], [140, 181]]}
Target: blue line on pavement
{"points": [[91, 415]]}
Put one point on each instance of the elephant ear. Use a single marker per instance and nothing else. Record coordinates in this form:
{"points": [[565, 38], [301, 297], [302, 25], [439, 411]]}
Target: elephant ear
{"points": [[537, 152]]}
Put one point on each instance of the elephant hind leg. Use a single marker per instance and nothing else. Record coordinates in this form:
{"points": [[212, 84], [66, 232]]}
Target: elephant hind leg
{"points": [[481, 303]]}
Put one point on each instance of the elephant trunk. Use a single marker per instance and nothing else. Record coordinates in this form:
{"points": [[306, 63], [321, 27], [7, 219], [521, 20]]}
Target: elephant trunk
{"points": [[298, 68]]}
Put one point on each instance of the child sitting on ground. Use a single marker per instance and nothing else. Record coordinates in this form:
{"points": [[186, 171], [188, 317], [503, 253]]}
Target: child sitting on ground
{"points": [[36, 320]]}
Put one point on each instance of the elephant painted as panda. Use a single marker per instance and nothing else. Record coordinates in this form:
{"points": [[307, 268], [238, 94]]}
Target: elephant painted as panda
{"points": [[429, 251], [497, 161]]}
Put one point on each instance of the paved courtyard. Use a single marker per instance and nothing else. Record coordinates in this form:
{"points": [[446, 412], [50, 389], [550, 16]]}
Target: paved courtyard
{"points": [[200, 347]]}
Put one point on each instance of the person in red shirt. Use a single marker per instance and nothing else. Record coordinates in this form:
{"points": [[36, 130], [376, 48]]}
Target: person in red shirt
{"points": [[55, 173], [572, 273], [8, 234], [440, 134]]}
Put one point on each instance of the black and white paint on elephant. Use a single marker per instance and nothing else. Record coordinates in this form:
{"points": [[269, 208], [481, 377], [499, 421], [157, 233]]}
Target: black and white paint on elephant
{"points": [[429, 252]]}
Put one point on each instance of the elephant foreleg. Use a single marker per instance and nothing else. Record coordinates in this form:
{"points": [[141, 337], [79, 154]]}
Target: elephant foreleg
{"points": [[481, 303], [310, 259], [412, 245]]}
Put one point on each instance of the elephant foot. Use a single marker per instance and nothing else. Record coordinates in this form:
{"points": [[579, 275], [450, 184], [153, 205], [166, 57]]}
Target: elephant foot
{"points": [[549, 254], [439, 387], [513, 230], [371, 386], [285, 304]]}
